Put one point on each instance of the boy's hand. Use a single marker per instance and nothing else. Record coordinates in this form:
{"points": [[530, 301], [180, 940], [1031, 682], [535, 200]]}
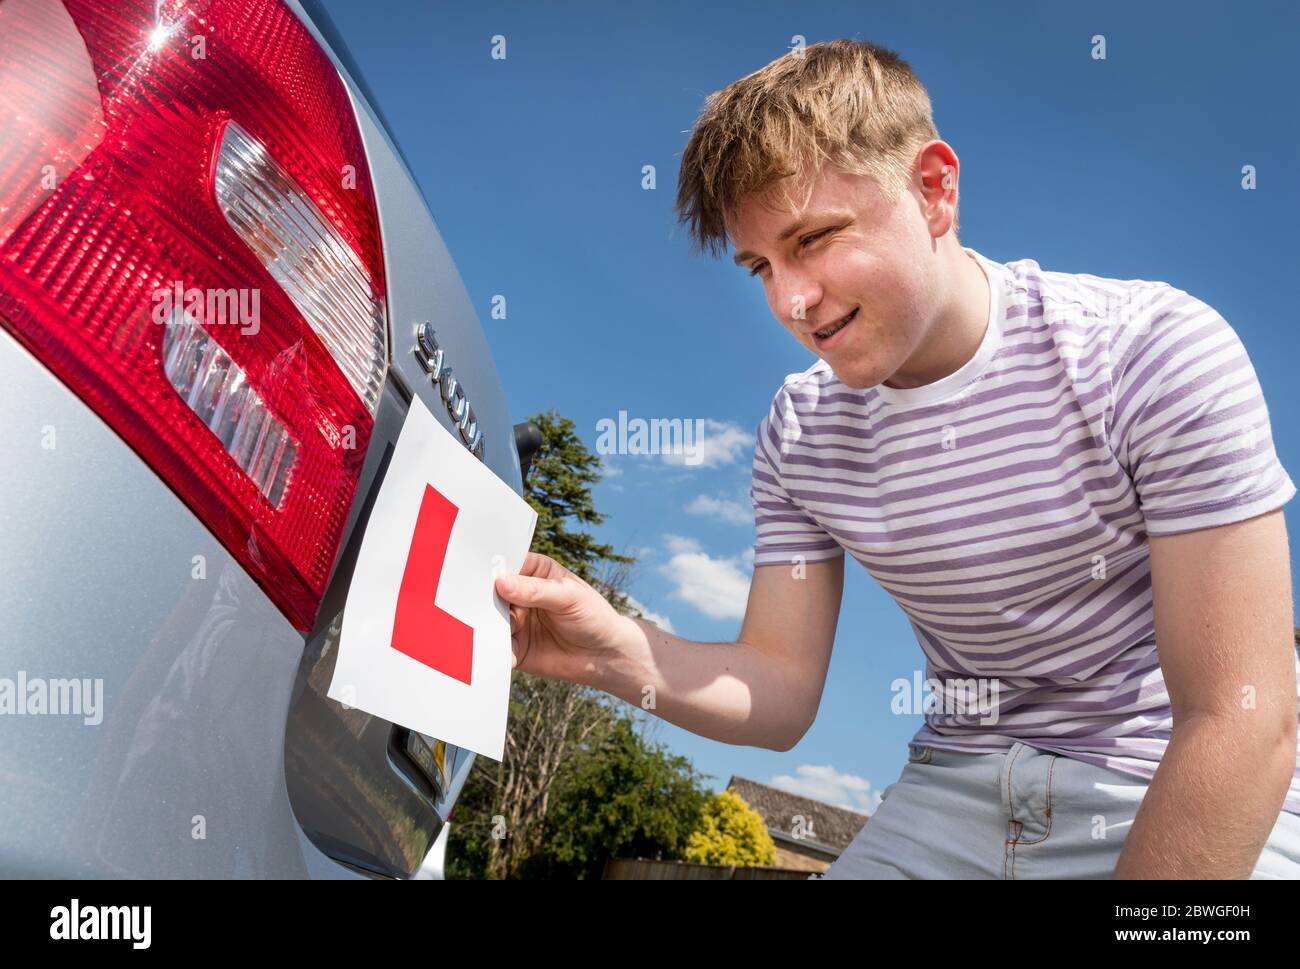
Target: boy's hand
{"points": [[560, 627]]}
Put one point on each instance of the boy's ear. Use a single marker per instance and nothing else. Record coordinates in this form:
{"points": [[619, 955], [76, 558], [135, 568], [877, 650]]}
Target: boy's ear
{"points": [[937, 171]]}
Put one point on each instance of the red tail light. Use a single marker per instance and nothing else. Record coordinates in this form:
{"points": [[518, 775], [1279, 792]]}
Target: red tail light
{"points": [[164, 168]]}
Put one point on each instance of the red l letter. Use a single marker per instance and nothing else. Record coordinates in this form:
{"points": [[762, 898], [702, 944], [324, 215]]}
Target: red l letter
{"points": [[420, 629]]}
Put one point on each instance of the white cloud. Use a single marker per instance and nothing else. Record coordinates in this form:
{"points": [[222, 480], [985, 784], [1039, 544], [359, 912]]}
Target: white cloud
{"points": [[680, 544], [660, 620], [717, 587], [681, 444], [824, 783], [719, 442], [733, 512]]}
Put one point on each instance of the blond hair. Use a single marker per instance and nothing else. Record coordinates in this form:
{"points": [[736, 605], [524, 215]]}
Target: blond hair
{"points": [[847, 102]]}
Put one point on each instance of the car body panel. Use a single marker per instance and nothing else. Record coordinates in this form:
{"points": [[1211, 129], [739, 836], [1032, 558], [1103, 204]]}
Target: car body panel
{"points": [[110, 577]]}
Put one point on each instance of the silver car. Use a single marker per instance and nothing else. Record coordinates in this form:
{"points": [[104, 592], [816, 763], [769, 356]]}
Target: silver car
{"points": [[220, 289]]}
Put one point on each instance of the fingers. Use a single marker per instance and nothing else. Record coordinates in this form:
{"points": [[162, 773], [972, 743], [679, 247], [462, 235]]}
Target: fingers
{"points": [[542, 566], [533, 561], [533, 592]]}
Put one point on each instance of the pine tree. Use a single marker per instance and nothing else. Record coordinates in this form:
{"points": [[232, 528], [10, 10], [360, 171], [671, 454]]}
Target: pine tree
{"points": [[558, 487], [560, 730]]}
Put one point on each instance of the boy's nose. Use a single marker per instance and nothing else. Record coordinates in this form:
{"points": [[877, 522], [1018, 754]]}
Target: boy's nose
{"points": [[796, 302]]}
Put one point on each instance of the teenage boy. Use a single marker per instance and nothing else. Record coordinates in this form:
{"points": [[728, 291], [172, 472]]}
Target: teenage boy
{"points": [[1067, 483]]}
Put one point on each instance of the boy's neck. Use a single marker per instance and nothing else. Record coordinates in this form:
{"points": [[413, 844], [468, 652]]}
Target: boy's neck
{"points": [[955, 335]]}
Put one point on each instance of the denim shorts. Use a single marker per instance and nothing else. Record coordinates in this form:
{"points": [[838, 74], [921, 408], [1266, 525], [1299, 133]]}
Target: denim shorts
{"points": [[1024, 813]]}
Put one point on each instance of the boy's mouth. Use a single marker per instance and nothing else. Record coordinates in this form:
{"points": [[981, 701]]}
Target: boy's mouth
{"points": [[829, 336]]}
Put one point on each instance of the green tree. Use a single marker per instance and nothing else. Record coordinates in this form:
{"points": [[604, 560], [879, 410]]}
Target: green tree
{"points": [[557, 728], [730, 833], [622, 796], [502, 809], [559, 488]]}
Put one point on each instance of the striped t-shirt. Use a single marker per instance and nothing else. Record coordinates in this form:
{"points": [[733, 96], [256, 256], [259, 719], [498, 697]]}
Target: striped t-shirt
{"points": [[1006, 507]]}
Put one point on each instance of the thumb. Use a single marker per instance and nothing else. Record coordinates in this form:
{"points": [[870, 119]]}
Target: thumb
{"points": [[526, 590]]}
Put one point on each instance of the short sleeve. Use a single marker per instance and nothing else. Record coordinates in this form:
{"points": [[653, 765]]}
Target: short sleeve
{"points": [[1191, 423], [784, 530]]}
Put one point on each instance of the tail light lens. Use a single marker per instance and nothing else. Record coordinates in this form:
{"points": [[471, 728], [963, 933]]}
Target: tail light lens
{"points": [[188, 239]]}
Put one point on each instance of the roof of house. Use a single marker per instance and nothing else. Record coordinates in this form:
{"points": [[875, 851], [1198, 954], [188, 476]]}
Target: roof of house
{"points": [[831, 827]]}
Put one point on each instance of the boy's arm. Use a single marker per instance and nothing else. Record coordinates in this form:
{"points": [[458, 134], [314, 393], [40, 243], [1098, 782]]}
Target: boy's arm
{"points": [[1193, 431], [762, 690], [1224, 636]]}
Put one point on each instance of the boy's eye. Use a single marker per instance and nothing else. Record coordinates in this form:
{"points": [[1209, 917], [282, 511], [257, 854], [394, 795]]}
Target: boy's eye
{"points": [[802, 242]]}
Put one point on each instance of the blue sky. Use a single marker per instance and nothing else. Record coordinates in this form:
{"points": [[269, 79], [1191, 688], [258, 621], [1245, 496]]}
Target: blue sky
{"points": [[532, 166]]}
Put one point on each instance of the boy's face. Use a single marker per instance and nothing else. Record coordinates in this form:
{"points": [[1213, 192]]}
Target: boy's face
{"points": [[851, 251]]}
